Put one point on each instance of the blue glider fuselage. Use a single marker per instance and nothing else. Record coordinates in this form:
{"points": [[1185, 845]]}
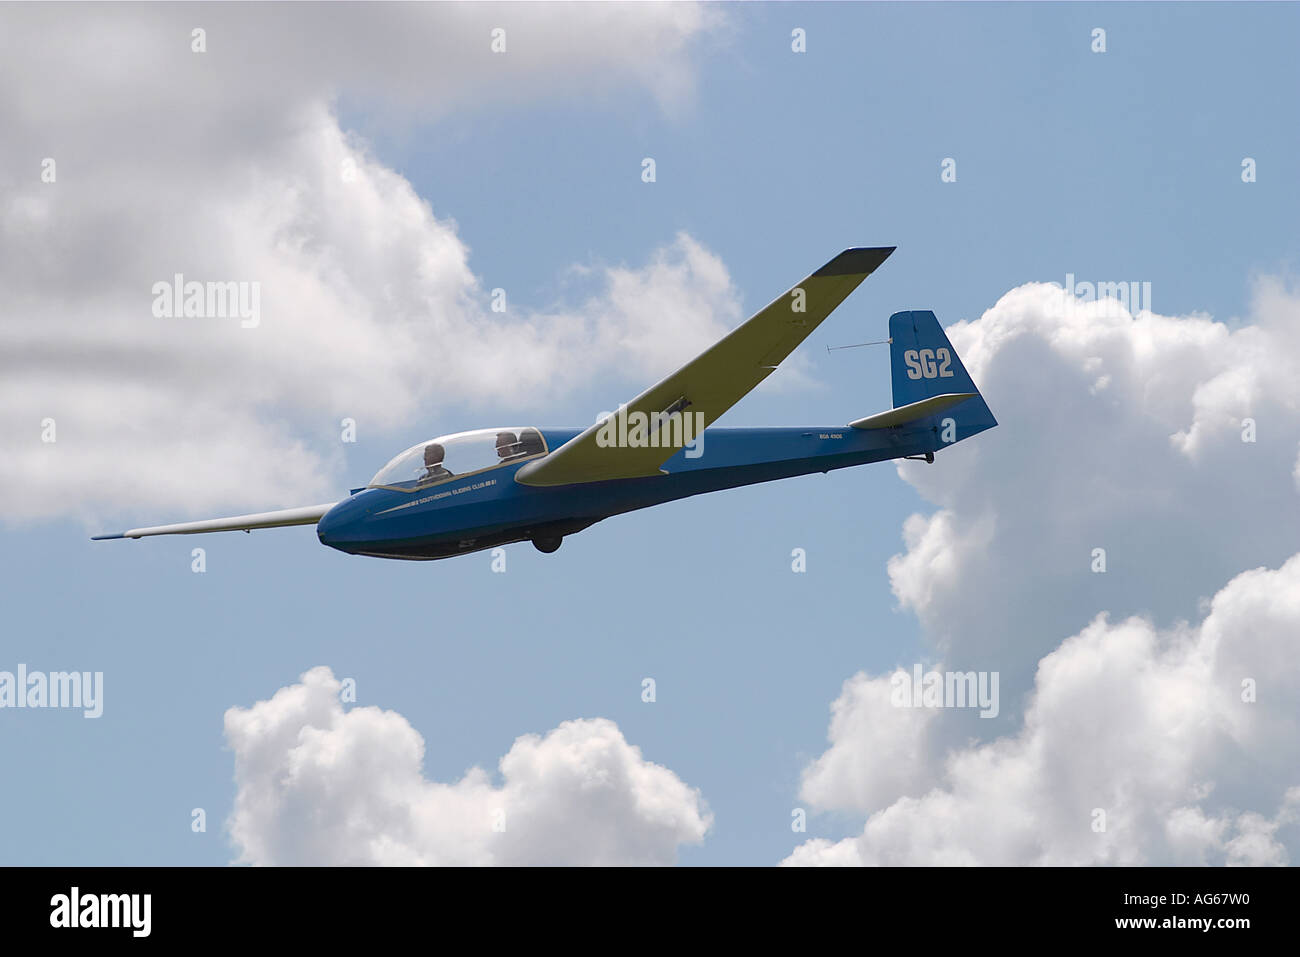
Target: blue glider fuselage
{"points": [[489, 508]]}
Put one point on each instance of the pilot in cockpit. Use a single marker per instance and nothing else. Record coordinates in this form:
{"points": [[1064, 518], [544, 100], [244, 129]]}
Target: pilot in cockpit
{"points": [[433, 468]]}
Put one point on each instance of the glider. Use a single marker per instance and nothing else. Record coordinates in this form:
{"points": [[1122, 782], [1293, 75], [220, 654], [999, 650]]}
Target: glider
{"points": [[470, 491]]}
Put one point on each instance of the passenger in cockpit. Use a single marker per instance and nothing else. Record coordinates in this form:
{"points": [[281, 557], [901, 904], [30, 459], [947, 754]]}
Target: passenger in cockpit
{"points": [[530, 442], [433, 469], [507, 446]]}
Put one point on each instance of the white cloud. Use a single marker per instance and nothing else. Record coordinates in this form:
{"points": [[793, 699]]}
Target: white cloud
{"points": [[231, 166], [1116, 433], [1125, 434], [877, 751], [318, 785], [1148, 726]]}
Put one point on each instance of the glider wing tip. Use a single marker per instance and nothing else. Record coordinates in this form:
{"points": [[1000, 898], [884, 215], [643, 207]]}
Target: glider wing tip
{"points": [[104, 538], [858, 261]]}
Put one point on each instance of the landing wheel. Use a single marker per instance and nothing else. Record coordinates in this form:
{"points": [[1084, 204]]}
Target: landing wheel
{"points": [[547, 545]]}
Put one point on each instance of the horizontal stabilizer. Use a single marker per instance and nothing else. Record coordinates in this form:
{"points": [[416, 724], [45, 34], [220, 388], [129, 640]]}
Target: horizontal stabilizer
{"points": [[309, 515], [905, 414]]}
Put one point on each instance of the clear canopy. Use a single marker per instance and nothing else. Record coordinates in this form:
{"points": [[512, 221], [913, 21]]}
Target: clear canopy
{"points": [[458, 455]]}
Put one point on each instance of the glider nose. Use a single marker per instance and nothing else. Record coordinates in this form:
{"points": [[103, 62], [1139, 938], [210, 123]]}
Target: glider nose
{"points": [[338, 526]]}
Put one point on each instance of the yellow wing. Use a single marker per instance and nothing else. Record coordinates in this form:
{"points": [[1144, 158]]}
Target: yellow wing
{"points": [[713, 381]]}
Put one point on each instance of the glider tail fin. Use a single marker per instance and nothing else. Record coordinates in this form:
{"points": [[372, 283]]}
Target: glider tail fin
{"points": [[924, 367]]}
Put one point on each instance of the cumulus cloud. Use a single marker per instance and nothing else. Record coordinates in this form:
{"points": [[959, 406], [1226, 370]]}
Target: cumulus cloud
{"points": [[1170, 443], [877, 751], [1139, 746], [231, 166], [321, 785], [1116, 432]]}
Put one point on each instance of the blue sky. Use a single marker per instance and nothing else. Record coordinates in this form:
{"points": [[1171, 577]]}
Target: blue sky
{"points": [[1116, 166]]}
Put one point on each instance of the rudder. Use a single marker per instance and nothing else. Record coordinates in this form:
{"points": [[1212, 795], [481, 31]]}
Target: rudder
{"points": [[925, 366], [922, 361]]}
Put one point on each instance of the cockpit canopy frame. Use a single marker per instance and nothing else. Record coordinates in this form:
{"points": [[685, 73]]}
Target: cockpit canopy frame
{"points": [[458, 455]]}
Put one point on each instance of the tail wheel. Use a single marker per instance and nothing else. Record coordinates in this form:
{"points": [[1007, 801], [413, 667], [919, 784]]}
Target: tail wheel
{"points": [[547, 545]]}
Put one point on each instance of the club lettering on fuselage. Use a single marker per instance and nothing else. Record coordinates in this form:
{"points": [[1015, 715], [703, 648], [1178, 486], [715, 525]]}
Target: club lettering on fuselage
{"points": [[928, 363]]}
